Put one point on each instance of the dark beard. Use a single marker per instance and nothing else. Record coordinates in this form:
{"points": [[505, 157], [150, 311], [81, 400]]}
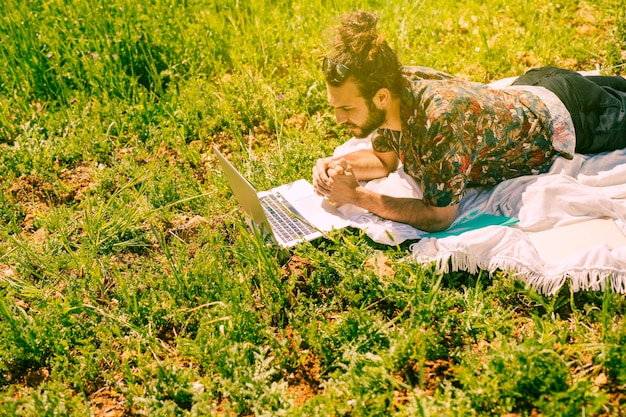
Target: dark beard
{"points": [[374, 120]]}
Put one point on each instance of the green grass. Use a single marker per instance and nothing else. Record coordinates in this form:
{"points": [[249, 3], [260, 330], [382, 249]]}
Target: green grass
{"points": [[130, 284]]}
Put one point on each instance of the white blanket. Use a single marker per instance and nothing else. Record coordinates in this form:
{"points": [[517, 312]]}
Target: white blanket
{"points": [[586, 187]]}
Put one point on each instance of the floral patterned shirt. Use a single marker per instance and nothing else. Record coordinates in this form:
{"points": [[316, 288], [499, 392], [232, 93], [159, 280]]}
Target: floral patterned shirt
{"points": [[458, 134]]}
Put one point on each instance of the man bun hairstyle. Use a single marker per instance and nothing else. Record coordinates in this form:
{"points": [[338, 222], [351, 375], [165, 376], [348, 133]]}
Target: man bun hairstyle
{"points": [[370, 60]]}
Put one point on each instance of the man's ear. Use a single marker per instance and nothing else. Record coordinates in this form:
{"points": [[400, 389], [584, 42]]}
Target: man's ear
{"points": [[382, 97]]}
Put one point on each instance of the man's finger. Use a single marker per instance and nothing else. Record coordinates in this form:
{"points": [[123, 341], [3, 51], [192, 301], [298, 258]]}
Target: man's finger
{"points": [[334, 171]]}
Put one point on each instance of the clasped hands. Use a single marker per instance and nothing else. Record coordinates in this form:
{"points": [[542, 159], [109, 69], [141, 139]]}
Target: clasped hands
{"points": [[335, 180]]}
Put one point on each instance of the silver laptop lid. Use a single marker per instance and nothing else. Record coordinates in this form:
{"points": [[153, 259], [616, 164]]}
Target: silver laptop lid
{"points": [[245, 193]]}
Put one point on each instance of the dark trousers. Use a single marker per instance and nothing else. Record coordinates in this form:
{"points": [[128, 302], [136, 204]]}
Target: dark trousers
{"points": [[597, 105]]}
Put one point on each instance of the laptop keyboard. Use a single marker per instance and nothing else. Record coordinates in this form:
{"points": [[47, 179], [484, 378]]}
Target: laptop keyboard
{"points": [[285, 224]]}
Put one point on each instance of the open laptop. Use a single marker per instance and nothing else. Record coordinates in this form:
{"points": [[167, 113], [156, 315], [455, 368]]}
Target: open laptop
{"points": [[291, 213]]}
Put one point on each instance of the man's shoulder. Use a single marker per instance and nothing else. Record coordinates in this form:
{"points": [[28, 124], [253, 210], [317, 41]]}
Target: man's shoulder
{"points": [[418, 72], [425, 82]]}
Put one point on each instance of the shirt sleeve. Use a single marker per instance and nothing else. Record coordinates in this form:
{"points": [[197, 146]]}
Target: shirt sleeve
{"points": [[382, 141]]}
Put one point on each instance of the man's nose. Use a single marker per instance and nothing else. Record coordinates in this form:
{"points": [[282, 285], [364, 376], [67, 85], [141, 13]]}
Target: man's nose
{"points": [[341, 116]]}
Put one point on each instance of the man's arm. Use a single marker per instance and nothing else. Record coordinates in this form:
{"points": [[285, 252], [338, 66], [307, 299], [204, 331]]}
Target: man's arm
{"points": [[411, 211], [346, 189], [366, 165]]}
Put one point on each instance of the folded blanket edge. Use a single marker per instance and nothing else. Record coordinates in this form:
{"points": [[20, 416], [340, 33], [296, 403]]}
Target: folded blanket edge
{"points": [[581, 279]]}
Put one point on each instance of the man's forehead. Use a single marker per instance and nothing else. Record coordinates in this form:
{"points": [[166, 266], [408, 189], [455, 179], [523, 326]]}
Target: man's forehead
{"points": [[347, 94]]}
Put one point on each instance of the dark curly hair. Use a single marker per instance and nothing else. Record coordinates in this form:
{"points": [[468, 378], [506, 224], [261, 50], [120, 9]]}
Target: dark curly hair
{"points": [[368, 58]]}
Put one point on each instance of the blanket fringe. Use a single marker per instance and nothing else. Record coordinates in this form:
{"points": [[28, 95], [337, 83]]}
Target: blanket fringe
{"points": [[598, 279]]}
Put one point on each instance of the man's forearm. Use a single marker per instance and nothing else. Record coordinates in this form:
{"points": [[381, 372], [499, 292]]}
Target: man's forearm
{"points": [[346, 189], [366, 165], [406, 210]]}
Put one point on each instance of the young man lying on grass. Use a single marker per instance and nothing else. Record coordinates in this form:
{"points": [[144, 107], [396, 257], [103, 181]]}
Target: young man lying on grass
{"points": [[452, 134]]}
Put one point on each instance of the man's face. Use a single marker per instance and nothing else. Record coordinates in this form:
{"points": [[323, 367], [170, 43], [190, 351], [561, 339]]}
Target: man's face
{"points": [[361, 116]]}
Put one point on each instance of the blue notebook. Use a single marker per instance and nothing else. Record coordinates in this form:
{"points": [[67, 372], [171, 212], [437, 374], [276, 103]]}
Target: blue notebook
{"points": [[482, 220]]}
